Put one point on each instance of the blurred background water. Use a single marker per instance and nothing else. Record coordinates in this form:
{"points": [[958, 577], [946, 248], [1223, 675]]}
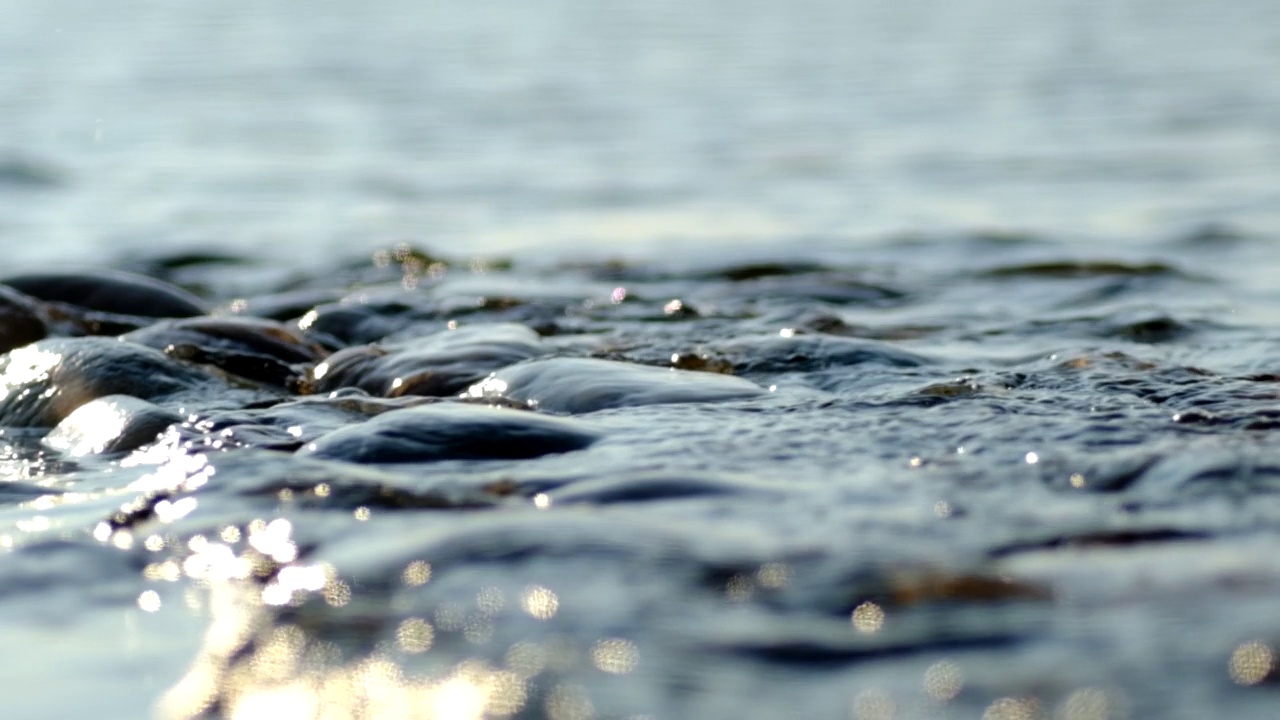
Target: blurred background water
{"points": [[627, 128]]}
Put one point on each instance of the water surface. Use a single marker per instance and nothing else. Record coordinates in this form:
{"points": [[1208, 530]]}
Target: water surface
{"points": [[884, 362]]}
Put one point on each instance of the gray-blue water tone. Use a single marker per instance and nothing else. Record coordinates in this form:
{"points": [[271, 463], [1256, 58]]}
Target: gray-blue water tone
{"points": [[629, 127], [640, 360]]}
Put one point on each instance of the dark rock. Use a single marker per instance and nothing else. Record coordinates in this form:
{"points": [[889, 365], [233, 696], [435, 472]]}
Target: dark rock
{"points": [[21, 320], [360, 319], [582, 385], [42, 383], [654, 488], [809, 353], [108, 425], [244, 335], [257, 349], [451, 431], [110, 291], [283, 306], [437, 365]]}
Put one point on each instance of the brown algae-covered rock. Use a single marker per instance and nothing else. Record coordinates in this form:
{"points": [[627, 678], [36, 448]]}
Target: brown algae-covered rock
{"points": [[262, 350]]}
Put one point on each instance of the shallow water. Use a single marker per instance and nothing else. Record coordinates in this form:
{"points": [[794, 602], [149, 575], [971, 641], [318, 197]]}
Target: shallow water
{"points": [[909, 362], [1036, 482]]}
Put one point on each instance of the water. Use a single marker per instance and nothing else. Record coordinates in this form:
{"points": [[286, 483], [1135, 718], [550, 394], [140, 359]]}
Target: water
{"points": [[566, 125], [993, 281]]}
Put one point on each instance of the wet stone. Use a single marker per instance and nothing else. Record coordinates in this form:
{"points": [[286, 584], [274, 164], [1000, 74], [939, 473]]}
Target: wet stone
{"points": [[240, 335], [369, 316], [110, 291], [583, 385], [755, 271], [437, 365], [21, 321], [283, 306], [109, 425], [810, 353], [258, 350], [658, 488], [451, 431], [43, 383], [834, 288], [291, 424], [1068, 269], [956, 482]]}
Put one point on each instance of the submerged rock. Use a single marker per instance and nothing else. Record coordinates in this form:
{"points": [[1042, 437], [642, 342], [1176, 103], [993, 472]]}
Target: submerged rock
{"points": [[283, 306], [649, 487], [110, 291], [368, 316], [290, 425], [42, 383], [245, 335], [111, 424], [810, 353], [253, 348], [436, 365], [451, 431], [583, 385]]}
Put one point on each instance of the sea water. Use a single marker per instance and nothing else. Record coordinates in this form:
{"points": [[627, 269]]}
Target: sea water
{"points": [[998, 277]]}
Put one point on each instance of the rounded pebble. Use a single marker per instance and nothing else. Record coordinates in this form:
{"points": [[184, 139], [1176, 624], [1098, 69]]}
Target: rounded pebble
{"points": [[437, 365], [110, 291], [583, 385], [655, 488], [111, 424], [236, 334], [451, 431], [42, 383]]}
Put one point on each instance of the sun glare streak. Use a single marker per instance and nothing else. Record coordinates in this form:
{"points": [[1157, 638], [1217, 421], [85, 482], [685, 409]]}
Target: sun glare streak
{"points": [[27, 365], [273, 541], [89, 429], [490, 387], [176, 471], [282, 688]]}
